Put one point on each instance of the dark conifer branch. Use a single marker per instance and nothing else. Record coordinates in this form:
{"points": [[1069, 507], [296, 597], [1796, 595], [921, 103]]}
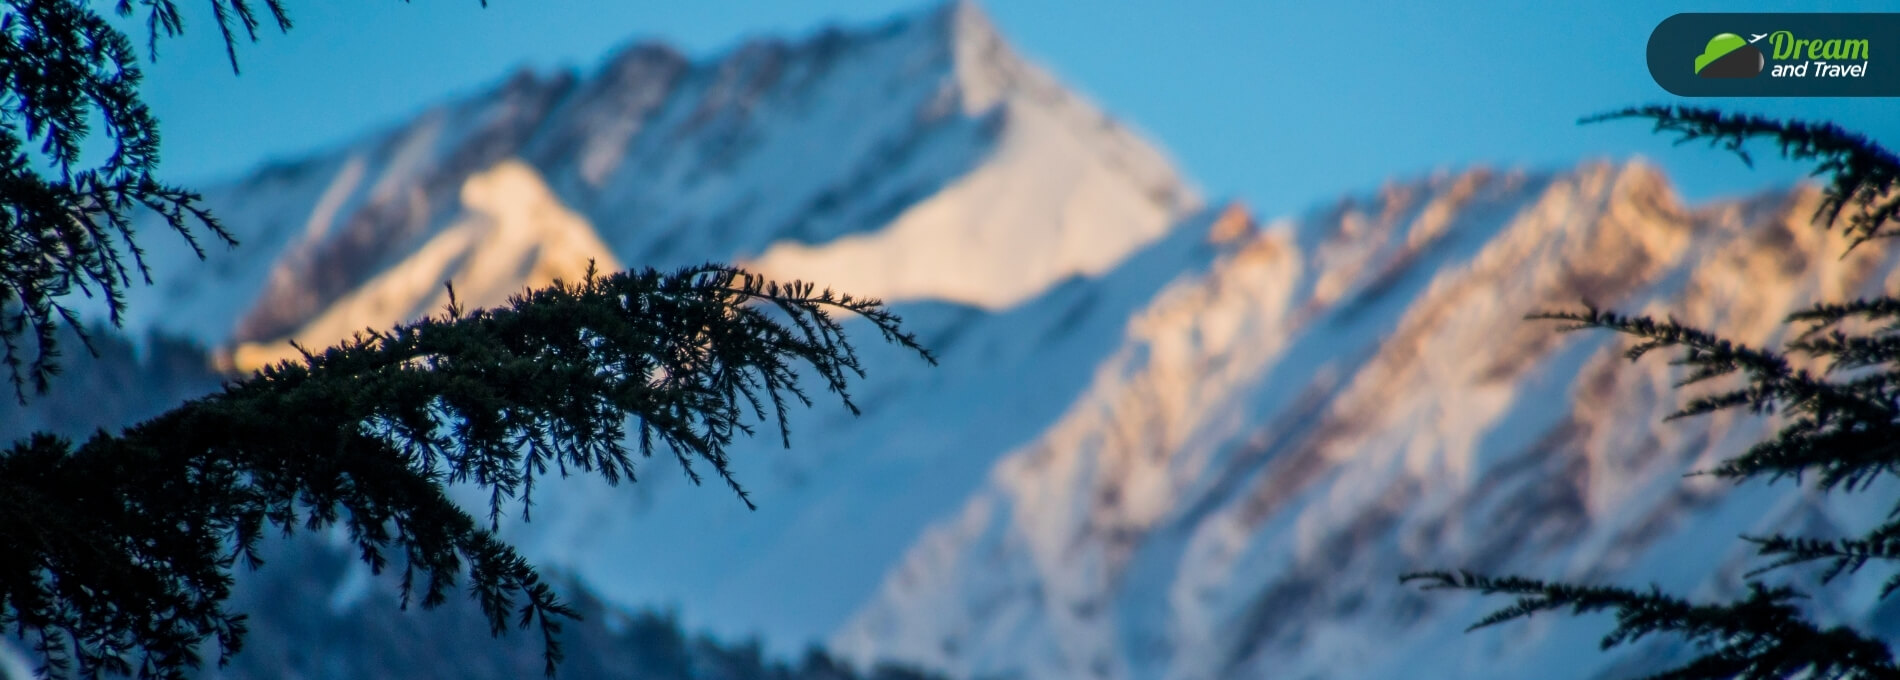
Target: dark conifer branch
{"points": [[366, 434], [66, 228], [1762, 635], [119, 550], [1859, 172]]}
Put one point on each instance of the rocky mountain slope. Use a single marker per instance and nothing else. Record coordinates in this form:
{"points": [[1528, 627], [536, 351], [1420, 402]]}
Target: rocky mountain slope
{"points": [[1277, 438], [1166, 440]]}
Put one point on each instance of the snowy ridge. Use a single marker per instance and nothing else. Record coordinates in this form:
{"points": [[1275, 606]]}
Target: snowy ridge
{"points": [[838, 157], [968, 242], [1219, 509]]}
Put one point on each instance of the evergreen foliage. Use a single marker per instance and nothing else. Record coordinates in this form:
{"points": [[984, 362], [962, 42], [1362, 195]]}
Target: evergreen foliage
{"points": [[121, 548], [63, 224], [66, 225], [1842, 430], [116, 553]]}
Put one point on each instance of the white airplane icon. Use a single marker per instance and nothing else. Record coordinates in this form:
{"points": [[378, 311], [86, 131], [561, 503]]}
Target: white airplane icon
{"points": [[1752, 37]]}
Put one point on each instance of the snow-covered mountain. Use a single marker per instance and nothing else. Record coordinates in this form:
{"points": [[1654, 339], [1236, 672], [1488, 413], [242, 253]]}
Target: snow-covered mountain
{"points": [[1278, 437], [1166, 440], [917, 159], [920, 160]]}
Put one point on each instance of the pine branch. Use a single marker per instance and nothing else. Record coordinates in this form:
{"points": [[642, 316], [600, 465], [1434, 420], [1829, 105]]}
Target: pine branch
{"points": [[1826, 315], [1843, 556], [68, 230], [1842, 427], [1859, 172], [1772, 383], [1761, 636], [126, 543]]}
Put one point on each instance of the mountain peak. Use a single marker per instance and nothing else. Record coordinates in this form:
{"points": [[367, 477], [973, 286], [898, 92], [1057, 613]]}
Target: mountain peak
{"points": [[967, 22], [919, 158], [986, 67], [1061, 189]]}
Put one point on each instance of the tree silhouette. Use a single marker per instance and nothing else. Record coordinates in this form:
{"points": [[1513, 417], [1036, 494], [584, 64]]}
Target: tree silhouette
{"points": [[117, 553], [120, 550], [1842, 431]]}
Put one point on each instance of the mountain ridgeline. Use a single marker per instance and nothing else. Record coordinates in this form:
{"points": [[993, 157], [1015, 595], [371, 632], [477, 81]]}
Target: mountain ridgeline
{"points": [[1166, 439]]}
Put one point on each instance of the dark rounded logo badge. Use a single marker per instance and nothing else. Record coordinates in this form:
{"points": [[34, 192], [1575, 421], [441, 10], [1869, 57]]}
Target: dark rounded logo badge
{"points": [[1729, 56], [1780, 54]]}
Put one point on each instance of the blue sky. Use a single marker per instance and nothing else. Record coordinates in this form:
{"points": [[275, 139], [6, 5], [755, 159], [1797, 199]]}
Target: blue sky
{"points": [[1281, 104]]}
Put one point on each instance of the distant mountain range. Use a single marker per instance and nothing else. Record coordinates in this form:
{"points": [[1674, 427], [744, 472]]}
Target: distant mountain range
{"points": [[1168, 439]]}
